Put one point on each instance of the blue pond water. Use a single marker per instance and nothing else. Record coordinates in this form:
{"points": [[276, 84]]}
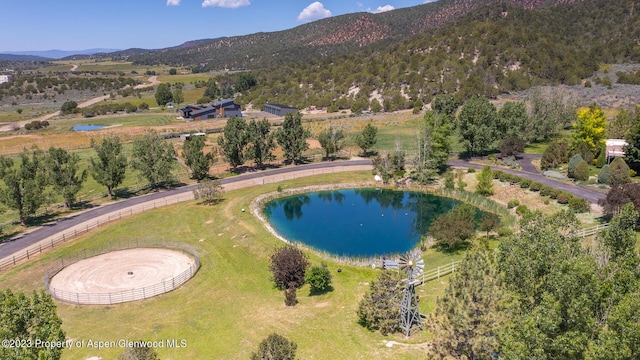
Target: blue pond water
{"points": [[357, 222], [87, 127]]}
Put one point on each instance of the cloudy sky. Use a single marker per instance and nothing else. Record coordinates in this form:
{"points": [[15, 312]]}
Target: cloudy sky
{"points": [[29, 25]]}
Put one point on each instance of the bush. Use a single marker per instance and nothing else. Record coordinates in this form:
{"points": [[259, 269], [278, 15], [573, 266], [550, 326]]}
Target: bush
{"points": [[546, 190], [275, 347], [555, 193], [619, 172], [579, 205], [522, 210], [471, 170], [525, 183], [573, 163], [513, 203], [556, 153], [319, 278], [581, 172], [535, 186], [69, 107], [564, 198], [505, 231], [604, 176]]}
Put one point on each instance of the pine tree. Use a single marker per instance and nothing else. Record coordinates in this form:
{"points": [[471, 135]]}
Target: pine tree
{"points": [[380, 307], [468, 316], [485, 181]]}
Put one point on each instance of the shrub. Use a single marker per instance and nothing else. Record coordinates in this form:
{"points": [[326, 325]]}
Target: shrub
{"points": [[275, 347], [319, 278], [563, 198], [573, 163], [619, 172], [555, 193], [581, 172], [604, 176], [525, 183], [504, 231], [471, 170], [546, 190], [579, 205], [513, 203], [522, 210], [535, 186]]}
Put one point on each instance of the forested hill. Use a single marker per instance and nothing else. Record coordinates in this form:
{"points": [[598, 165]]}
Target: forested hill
{"points": [[334, 35], [495, 49]]}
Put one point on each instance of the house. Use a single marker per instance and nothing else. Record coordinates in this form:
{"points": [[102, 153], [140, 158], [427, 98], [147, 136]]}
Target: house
{"points": [[219, 109], [278, 109], [5, 78], [614, 148]]}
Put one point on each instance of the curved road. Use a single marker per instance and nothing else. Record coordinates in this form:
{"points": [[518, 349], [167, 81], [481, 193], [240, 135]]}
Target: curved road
{"points": [[13, 247]]}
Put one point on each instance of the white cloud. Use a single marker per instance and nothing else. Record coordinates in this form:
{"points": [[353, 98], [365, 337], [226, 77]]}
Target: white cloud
{"points": [[231, 4], [382, 9], [173, 2], [314, 11]]}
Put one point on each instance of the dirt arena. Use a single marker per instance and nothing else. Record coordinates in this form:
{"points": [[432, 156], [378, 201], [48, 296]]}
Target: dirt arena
{"points": [[121, 271]]}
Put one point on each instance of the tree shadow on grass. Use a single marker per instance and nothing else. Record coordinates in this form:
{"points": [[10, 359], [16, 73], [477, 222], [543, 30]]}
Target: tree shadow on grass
{"points": [[453, 249], [317, 292]]}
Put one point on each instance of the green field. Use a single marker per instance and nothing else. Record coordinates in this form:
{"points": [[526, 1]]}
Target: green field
{"points": [[230, 305]]}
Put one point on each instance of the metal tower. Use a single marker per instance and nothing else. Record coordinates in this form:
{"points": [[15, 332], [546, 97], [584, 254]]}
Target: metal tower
{"points": [[412, 266]]}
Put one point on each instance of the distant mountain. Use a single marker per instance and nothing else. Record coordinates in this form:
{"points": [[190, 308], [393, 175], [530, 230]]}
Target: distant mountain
{"points": [[58, 54], [334, 35], [14, 57]]}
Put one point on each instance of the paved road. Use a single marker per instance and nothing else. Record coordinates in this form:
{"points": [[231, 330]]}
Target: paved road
{"points": [[21, 243], [28, 239]]}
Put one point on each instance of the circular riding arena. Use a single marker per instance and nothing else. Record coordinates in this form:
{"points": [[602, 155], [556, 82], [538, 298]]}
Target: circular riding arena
{"points": [[117, 274]]}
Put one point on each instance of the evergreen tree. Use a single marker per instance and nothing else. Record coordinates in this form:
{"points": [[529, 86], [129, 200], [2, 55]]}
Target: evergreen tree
{"points": [[556, 153], [261, 142], [619, 172], [380, 307], [467, 318], [25, 184], [64, 174], [195, 158], [154, 158], [234, 140], [581, 173], [110, 166], [604, 176], [573, 163], [292, 137], [485, 181]]}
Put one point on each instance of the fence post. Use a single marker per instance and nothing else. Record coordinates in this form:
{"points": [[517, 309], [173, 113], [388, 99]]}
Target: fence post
{"points": [[453, 267], [27, 253], [438, 272]]}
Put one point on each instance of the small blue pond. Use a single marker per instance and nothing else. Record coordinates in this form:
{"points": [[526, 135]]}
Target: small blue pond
{"points": [[87, 127], [357, 222]]}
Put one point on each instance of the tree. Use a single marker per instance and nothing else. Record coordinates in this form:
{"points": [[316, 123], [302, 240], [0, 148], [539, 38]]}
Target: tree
{"points": [[330, 140], [556, 153], [620, 338], [275, 347], [514, 121], [178, 96], [173, 71], [375, 106], [110, 166], [289, 266], [477, 125], [389, 165], [573, 163], [195, 158], [452, 230], [163, 94], [319, 278], [25, 184], [620, 195], [212, 91], [449, 179], [29, 318], [234, 140], [292, 137], [621, 125], [367, 138], [64, 174], [261, 142], [139, 353], [632, 150], [245, 81], [590, 128], [511, 146], [485, 181], [433, 147], [380, 307], [467, 318], [581, 173], [549, 112], [154, 158], [69, 107], [604, 176], [619, 172], [209, 191], [489, 223], [445, 104]]}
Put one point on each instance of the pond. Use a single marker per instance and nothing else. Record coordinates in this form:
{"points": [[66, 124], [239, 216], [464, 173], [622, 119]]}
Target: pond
{"points": [[87, 127], [357, 222]]}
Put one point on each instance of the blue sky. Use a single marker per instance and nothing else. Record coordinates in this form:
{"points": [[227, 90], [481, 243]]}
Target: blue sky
{"points": [[30, 25]]}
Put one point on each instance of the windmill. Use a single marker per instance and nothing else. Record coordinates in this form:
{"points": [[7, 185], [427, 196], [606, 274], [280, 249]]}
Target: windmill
{"points": [[412, 266]]}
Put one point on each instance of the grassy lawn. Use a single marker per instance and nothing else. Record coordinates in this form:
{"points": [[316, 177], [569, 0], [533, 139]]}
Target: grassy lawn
{"points": [[230, 305]]}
